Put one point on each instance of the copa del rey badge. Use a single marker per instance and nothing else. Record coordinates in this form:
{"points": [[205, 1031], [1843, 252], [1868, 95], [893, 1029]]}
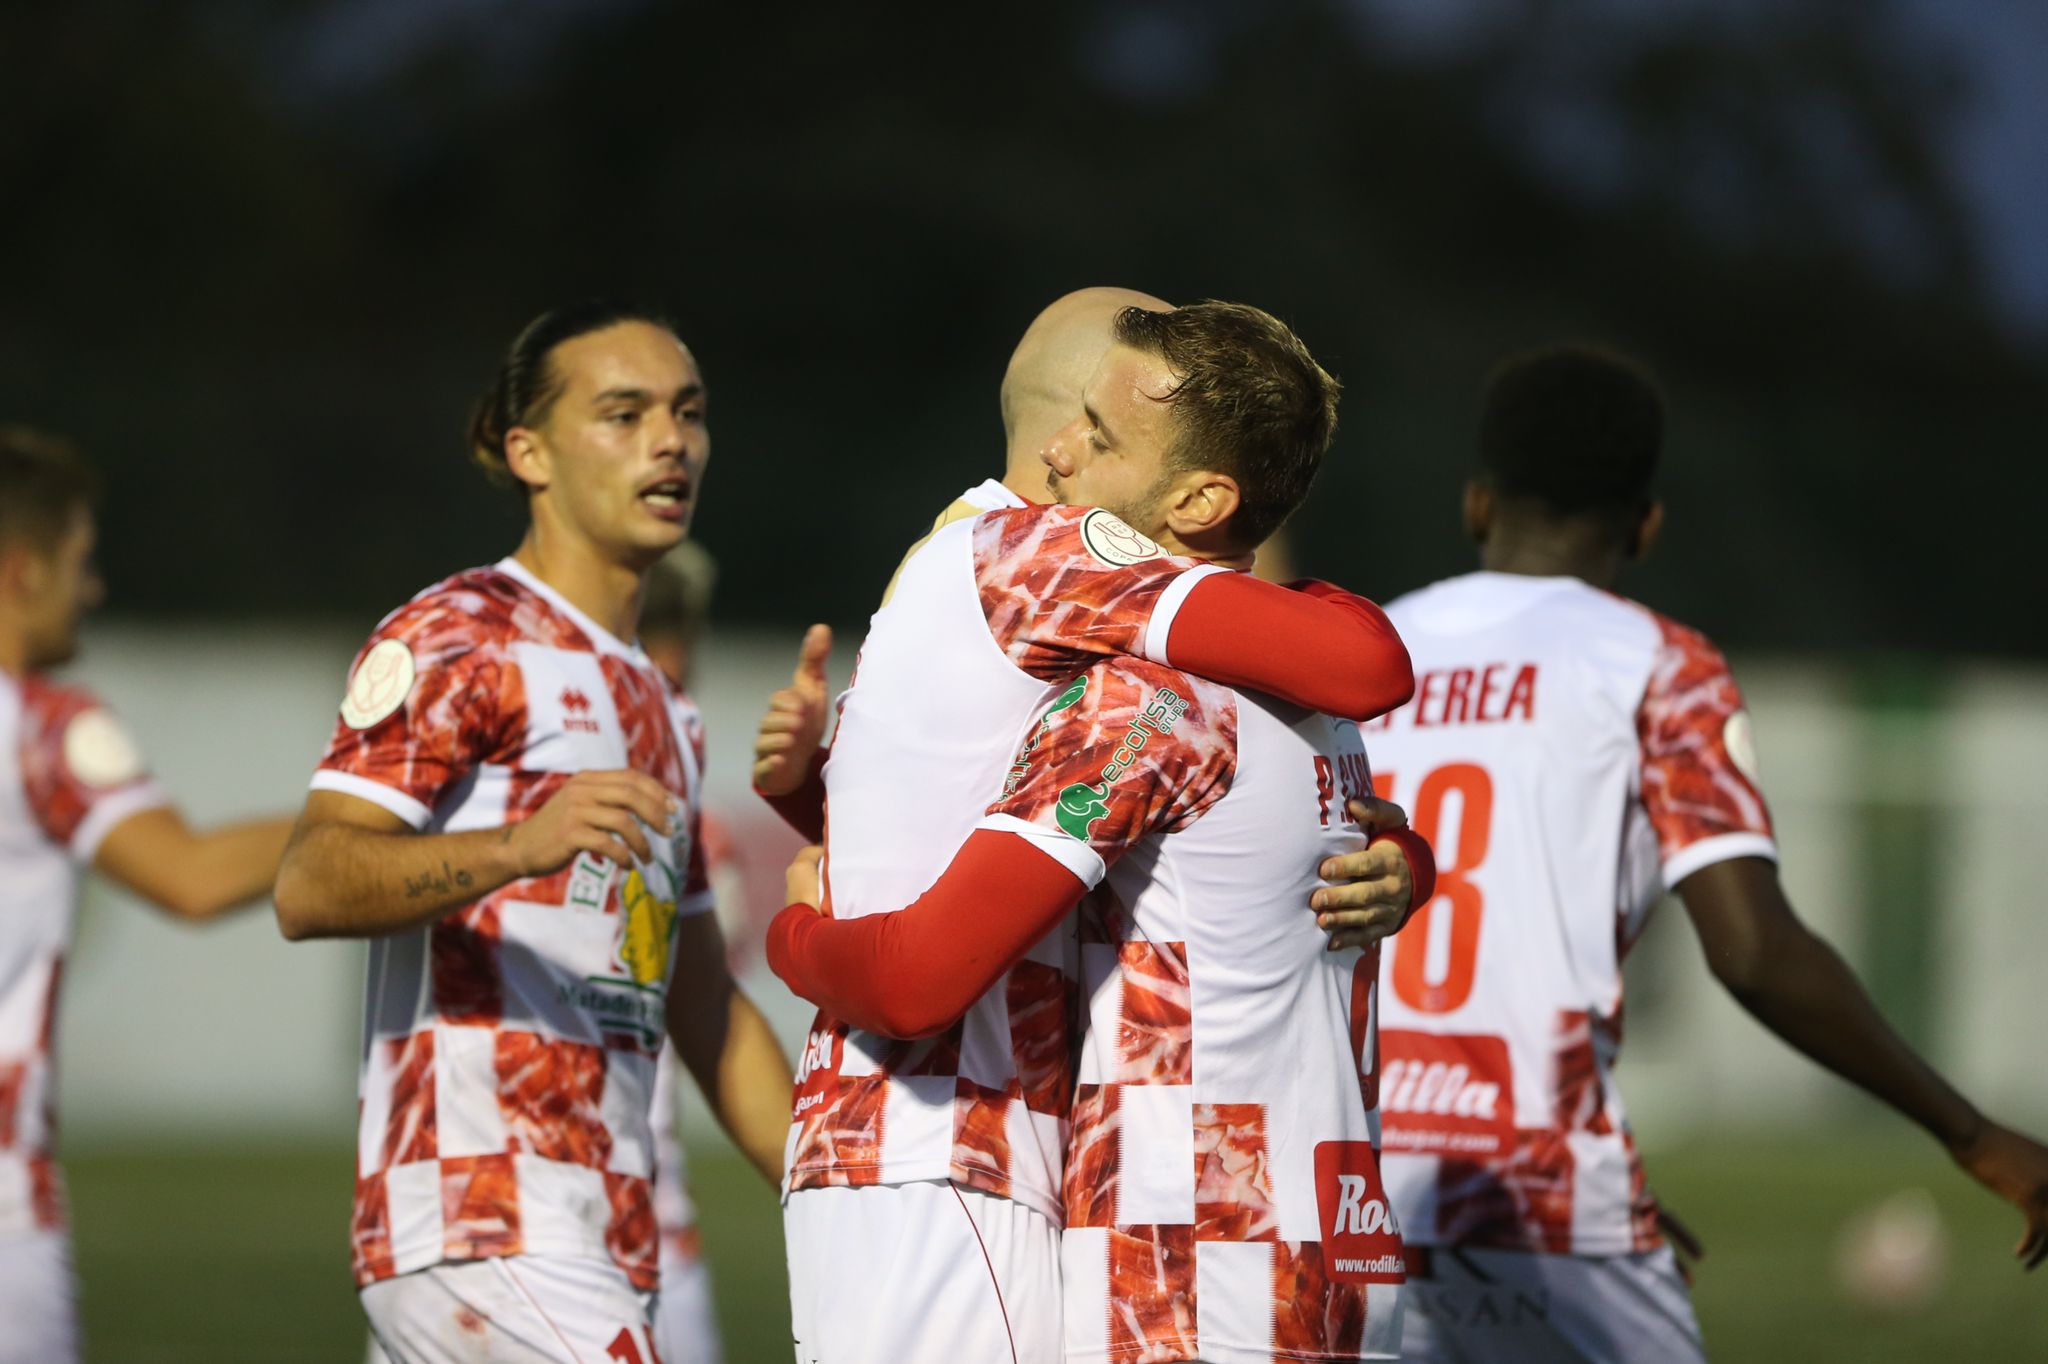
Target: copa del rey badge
{"points": [[380, 684], [1115, 543]]}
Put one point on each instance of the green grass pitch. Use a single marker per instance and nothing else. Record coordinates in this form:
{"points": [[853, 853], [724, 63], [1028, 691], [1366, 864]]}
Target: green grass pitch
{"points": [[229, 1255]]}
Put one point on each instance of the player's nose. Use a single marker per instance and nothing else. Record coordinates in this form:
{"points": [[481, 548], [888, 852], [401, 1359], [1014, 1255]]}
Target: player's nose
{"points": [[1058, 453]]}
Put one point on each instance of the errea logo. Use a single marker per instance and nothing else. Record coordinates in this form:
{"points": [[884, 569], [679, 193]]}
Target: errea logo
{"points": [[576, 712]]}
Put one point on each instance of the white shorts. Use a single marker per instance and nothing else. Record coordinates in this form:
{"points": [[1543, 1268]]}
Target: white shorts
{"points": [[685, 1323], [924, 1273], [38, 1299], [1516, 1307], [516, 1309]]}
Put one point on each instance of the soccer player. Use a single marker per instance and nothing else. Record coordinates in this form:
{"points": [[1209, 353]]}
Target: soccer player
{"points": [[1221, 1196], [509, 808], [1572, 755], [74, 793]]}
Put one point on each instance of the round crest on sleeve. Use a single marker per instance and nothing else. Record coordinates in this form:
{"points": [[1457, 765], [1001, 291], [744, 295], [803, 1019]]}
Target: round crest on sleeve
{"points": [[380, 684], [1739, 737], [98, 751], [1114, 542]]}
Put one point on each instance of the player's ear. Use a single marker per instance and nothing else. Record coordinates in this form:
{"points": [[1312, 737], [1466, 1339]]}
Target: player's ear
{"points": [[22, 571], [1478, 510], [1645, 533], [1203, 505], [527, 458]]}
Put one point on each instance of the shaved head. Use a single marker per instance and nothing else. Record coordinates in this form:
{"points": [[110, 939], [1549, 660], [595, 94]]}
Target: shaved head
{"points": [[1042, 386]]}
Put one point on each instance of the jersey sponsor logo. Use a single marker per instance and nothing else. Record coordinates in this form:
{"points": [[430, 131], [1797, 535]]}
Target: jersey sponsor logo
{"points": [[1081, 804], [817, 1070], [1361, 1238], [1738, 736], [648, 933], [1075, 690], [1114, 543], [98, 751], [1446, 1094], [576, 712], [380, 684], [817, 1054], [589, 879]]}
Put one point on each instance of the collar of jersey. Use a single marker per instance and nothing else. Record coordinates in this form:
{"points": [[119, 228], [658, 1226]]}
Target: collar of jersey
{"points": [[605, 640], [992, 494]]}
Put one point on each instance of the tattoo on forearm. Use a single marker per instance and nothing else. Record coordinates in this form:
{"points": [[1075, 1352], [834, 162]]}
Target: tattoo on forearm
{"points": [[437, 882]]}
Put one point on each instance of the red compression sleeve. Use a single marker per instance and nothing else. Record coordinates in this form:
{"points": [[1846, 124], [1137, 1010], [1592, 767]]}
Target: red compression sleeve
{"points": [[1421, 867], [1310, 643], [804, 808], [914, 972]]}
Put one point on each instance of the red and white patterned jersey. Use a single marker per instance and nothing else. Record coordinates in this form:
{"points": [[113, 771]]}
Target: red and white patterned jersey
{"points": [[510, 1047], [986, 622], [68, 775], [1570, 755], [1222, 1191]]}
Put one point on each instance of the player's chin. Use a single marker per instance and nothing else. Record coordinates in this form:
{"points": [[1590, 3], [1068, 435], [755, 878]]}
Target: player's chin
{"points": [[56, 651], [660, 525]]}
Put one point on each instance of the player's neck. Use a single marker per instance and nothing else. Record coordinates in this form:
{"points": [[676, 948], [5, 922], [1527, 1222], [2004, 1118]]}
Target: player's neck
{"points": [[1027, 480], [608, 592], [1543, 552], [14, 659]]}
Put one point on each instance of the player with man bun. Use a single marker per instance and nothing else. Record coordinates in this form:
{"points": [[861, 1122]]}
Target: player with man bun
{"points": [[510, 808]]}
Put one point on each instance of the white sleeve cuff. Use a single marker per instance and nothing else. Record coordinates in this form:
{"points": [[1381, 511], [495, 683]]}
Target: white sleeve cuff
{"points": [[108, 813], [375, 792], [1719, 848], [1161, 624], [1070, 852]]}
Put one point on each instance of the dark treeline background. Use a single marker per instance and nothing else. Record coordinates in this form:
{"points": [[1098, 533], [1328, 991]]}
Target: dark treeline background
{"points": [[257, 258]]}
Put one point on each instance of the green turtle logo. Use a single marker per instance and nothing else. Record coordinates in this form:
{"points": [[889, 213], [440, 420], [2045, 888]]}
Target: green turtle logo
{"points": [[1080, 806]]}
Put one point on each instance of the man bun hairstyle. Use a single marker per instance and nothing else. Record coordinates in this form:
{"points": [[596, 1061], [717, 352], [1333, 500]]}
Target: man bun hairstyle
{"points": [[528, 382], [1575, 430], [1248, 401], [43, 484]]}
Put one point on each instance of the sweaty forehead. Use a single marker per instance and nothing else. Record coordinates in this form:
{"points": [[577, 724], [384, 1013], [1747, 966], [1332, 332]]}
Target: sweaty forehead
{"points": [[631, 355], [1126, 375]]}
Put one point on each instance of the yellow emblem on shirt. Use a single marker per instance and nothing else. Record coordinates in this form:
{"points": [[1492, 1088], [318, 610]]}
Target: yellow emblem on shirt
{"points": [[650, 929]]}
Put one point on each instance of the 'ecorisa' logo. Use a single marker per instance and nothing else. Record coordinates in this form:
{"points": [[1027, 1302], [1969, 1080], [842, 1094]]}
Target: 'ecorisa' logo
{"points": [[1080, 806], [1075, 690], [1115, 543]]}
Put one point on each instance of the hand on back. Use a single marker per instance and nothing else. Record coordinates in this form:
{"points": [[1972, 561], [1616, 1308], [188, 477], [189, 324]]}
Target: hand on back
{"points": [[1371, 888]]}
